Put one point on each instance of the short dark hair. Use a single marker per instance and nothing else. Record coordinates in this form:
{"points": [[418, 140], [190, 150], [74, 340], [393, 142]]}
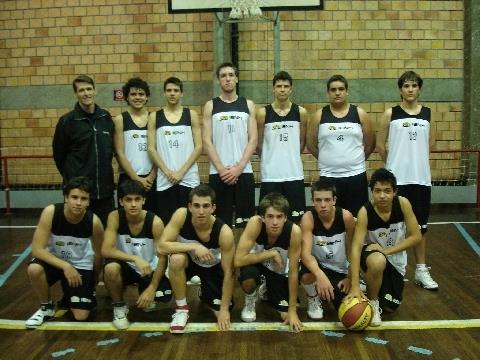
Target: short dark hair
{"points": [[337, 77], [173, 80], [324, 184], [224, 65], [82, 79], [383, 175], [130, 187], [202, 190], [276, 201], [282, 75], [135, 82], [79, 182], [409, 76]]}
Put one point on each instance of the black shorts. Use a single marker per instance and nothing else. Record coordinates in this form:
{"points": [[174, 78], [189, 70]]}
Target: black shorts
{"points": [[352, 191], [294, 191], [420, 197], [238, 198], [169, 200], [211, 283], [130, 276], [149, 195], [333, 276], [391, 292], [81, 297], [277, 285]]}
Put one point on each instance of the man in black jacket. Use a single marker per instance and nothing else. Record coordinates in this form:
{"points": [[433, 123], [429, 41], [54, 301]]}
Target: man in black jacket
{"points": [[83, 146]]}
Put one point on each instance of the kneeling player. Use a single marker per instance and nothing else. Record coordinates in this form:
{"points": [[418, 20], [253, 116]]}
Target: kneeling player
{"points": [[66, 247], [270, 246], [129, 248]]}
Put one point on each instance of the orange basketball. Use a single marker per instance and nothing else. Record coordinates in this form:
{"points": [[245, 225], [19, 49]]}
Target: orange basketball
{"points": [[355, 314]]}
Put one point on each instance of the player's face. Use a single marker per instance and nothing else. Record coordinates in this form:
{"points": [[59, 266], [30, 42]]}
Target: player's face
{"points": [[410, 91], [173, 94], [132, 203], [323, 202], [85, 94], [383, 194], [337, 92], [201, 208], [77, 202], [227, 79], [137, 98], [282, 90], [274, 221]]}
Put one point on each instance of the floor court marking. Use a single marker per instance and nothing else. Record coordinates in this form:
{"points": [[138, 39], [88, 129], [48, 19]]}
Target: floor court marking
{"points": [[4, 277], [260, 326], [466, 236]]}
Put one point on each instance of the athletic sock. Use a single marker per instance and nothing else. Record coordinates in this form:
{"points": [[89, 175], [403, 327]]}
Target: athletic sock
{"points": [[181, 302], [421, 267], [310, 289]]}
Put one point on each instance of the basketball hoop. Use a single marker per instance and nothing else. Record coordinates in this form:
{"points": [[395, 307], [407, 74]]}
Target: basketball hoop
{"points": [[245, 9]]}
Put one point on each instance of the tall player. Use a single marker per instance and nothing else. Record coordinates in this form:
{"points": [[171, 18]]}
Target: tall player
{"points": [[281, 138], [408, 129]]}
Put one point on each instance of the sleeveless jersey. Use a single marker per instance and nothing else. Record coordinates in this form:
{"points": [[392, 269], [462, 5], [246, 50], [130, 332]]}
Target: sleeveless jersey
{"points": [[230, 131], [281, 245], [388, 233], [408, 146], [141, 245], [281, 160], [189, 235], [72, 242], [340, 144], [174, 145], [135, 144], [329, 246]]}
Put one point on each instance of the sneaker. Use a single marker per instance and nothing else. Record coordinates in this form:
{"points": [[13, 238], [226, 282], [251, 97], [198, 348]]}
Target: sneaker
{"points": [[179, 320], [248, 311], [194, 280], [423, 279], [46, 312], [262, 291], [120, 311], [363, 286], [377, 311], [314, 310]]}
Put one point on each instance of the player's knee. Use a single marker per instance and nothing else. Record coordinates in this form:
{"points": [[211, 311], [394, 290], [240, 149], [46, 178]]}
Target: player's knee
{"points": [[177, 262], [35, 271], [111, 271], [249, 285], [307, 279], [376, 262], [80, 314]]}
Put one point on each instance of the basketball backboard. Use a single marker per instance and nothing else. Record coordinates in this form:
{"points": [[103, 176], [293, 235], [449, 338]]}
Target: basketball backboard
{"points": [[188, 6]]}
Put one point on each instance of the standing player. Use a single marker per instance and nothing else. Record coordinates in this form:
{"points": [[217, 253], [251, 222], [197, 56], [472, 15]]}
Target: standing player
{"points": [[389, 226], [83, 146], [66, 247], [230, 138], [130, 139], [174, 145], [327, 232], [129, 248], [281, 138], [270, 246], [200, 244], [340, 136], [408, 129]]}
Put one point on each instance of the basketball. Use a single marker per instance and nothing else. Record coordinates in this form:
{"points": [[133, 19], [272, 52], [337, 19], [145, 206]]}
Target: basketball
{"points": [[355, 314]]}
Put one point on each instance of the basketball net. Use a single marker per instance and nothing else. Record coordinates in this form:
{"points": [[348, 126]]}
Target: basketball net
{"points": [[244, 9]]}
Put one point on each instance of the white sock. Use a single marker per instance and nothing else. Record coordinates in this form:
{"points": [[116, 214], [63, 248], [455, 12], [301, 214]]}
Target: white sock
{"points": [[181, 302], [421, 267], [310, 289]]}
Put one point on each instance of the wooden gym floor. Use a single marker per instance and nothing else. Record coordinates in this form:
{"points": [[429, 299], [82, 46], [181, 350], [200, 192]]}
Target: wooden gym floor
{"points": [[437, 325]]}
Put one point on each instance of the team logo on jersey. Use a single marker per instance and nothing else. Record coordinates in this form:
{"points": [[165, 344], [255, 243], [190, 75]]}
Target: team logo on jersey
{"points": [[128, 240], [178, 132], [320, 242], [139, 244], [406, 124], [332, 128], [382, 234], [276, 127], [135, 136], [59, 243], [223, 117], [167, 132], [71, 243]]}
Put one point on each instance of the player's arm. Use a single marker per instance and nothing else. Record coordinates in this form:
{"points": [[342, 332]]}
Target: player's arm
{"points": [[39, 248], [252, 141], [207, 134], [60, 145], [312, 133], [322, 283], [260, 116], [97, 238], [304, 118], [197, 143], [227, 248], [152, 144], [294, 257], [368, 133], [349, 221], [382, 135]]}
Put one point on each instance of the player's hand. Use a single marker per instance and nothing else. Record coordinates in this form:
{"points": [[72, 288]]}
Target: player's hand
{"points": [[345, 285], [227, 176], [146, 297], [355, 292], [236, 171], [143, 266], [277, 261], [203, 254], [223, 319], [73, 276], [324, 287], [147, 185], [373, 247], [293, 321]]}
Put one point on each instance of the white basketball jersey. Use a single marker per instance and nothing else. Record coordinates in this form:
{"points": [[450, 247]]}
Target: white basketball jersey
{"points": [[135, 144]]}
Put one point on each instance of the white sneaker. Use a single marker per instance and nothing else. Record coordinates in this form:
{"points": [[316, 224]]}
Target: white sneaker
{"points": [[179, 320], [423, 279], [363, 286], [377, 311], [248, 311], [262, 291], [120, 320], [314, 310], [46, 312], [194, 280]]}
